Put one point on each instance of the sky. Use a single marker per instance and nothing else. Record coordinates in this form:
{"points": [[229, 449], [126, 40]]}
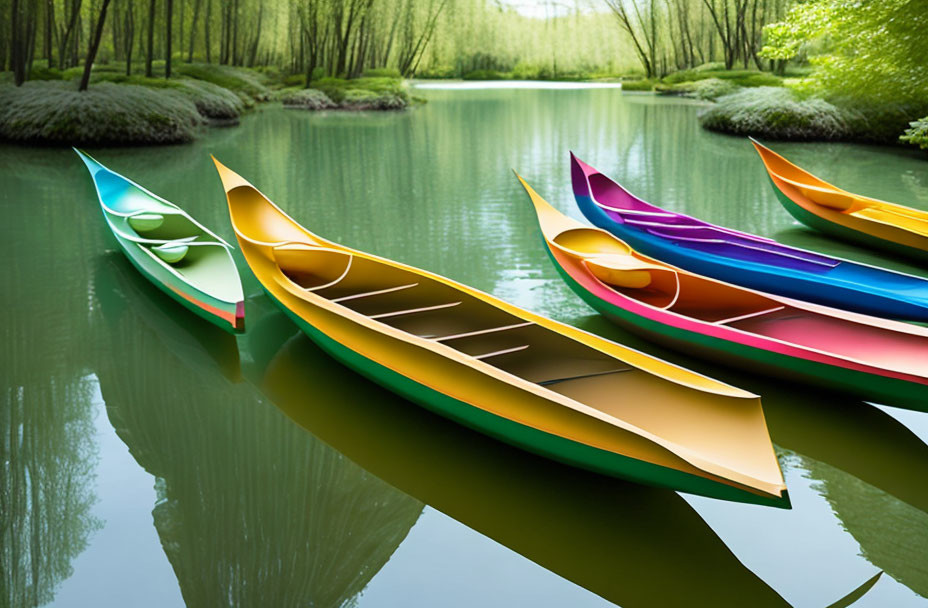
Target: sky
{"points": [[547, 8]]}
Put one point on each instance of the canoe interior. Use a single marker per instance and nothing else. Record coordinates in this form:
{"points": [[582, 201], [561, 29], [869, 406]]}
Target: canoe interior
{"points": [[686, 231], [430, 309], [207, 265], [709, 301]]}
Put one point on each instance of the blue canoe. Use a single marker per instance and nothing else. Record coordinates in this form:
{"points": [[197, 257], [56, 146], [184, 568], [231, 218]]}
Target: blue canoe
{"points": [[745, 259]]}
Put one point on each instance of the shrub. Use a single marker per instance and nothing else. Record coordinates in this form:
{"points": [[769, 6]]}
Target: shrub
{"points": [[248, 85], [638, 85], [295, 80], [362, 99], [211, 100], [337, 88], [917, 133], [439, 71], [49, 112], [43, 73], [708, 89], [382, 73], [305, 99], [744, 78], [484, 75], [775, 113]]}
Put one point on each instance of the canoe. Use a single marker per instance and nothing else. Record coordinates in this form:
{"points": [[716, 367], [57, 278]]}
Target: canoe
{"points": [[745, 259], [534, 383], [867, 357], [845, 215], [171, 249]]}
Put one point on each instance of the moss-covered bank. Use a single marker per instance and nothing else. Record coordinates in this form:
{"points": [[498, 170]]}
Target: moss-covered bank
{"points": [[134, 110]]}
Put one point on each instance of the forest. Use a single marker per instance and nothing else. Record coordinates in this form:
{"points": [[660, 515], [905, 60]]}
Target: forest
{"points": [[817, 69]]}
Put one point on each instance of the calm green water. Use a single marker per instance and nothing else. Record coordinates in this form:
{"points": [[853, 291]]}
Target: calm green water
{"points": [[149, 460]]}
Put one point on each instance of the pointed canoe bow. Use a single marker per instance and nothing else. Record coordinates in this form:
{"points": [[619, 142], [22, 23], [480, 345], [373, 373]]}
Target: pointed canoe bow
{"points": [[745, 259], [842, 214], [529, 381], [176, 253], [868, 357]]}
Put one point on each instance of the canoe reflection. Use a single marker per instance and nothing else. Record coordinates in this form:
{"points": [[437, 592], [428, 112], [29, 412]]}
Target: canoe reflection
{"points": [[620, 540], [251, 510]]}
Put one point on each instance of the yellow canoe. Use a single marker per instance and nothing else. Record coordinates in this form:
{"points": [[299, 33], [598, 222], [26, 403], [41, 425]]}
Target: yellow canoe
{"points": [[840, 213], [529, 381]]}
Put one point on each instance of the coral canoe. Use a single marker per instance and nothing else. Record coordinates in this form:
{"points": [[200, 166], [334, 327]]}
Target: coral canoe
{"points": [[745, 259], [868, 357], [845, 215], [546, 387], [180, 256]]}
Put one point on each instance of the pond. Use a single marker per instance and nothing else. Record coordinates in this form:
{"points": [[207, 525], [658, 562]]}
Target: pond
{"points": [[150, 460]]}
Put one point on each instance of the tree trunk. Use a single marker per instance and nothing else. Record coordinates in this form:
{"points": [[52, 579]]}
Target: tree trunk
{"points": [[151, 38], [209, 12], [96, 36], [129, 36], [169, 18], [193, 29]]}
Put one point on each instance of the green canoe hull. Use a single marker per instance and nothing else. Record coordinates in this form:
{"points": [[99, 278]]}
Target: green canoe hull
{"points": [[843, 232]]}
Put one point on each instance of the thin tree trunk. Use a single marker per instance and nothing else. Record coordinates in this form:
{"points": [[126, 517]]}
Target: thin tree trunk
{"points": [[193, 29], [94, 46], [151, 38], [169, 17], [209, 12]]}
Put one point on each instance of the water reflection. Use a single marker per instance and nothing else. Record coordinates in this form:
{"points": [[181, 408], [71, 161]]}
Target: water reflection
{"points": [[251, 510], [619, 540], [893, 535]]}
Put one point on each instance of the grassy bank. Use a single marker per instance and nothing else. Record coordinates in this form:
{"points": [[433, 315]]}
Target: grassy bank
{"points": [[782, 113], [134, 110]]}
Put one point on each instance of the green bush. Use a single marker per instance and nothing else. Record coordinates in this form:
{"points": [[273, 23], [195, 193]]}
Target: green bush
{"points": [[50, 112], [638, 85], [708, 89], [362, 99], [382, 73], [43, 73], [337, 88], [211, 100], [305, 99], [917, 133], [744, 78], [248, 85], [775, 113], [439, 71], [484, 75], [295, 80]]}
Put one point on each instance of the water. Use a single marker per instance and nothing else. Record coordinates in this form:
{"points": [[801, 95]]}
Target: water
{"points": [[149, 459]]}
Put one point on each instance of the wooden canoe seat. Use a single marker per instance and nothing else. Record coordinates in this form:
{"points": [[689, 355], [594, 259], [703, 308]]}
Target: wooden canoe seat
{"points": [[412, 311], [504, 351], [481, 332], [376, 292]]}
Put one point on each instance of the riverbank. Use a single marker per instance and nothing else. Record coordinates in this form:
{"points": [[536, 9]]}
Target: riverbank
{"points": [[134, 110]]}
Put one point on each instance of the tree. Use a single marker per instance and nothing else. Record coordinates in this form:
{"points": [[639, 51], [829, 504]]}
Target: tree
{"points": [[94, 46]]}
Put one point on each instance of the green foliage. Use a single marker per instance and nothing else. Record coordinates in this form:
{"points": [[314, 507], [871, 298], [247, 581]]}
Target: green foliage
{"points": [[438, 71], [362, 99], [707, 89], [44, 73], [638, 85], [295, 80], [337, 88], [744, 78], [776, 113], [56, 113], [305, 99], [484, 75], [917, 133], [382, 73], [864, 53], [248, 85]]}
